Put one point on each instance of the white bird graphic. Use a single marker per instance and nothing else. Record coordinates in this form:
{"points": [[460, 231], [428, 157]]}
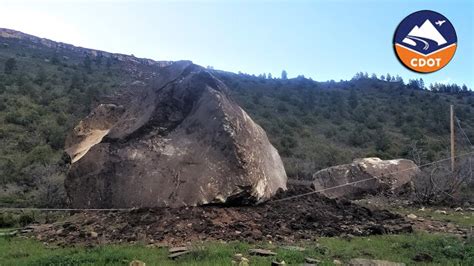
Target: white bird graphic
{"points": [[440, 22]]}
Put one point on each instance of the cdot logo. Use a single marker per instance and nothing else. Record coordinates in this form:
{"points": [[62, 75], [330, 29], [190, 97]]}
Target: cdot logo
{"points": [[425, 41]]}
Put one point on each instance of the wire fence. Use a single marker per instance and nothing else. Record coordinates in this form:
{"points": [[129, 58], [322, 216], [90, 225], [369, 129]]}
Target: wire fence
{"points": [[470, 147], [464, 136], [271, 201], [371, 178]]}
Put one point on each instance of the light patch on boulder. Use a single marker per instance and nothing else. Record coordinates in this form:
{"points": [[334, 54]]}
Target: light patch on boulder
{"points": [[92, 130]]}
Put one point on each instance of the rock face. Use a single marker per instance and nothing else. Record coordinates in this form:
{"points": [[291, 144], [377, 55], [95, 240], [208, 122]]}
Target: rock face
{"points": [[371, 175], [176, 141]]}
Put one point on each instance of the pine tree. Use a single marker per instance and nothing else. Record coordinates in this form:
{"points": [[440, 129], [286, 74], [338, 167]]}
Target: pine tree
{"points": [[421, 84], [88, 64], [353, 100], [10, 66]]}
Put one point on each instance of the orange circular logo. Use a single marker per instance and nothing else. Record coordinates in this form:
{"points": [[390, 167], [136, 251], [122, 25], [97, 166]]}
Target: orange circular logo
{"points": [[425, 41]]}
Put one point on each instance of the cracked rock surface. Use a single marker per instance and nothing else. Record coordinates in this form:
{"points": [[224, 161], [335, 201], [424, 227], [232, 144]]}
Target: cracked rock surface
{"points": [[365, 176], [175, 140]]}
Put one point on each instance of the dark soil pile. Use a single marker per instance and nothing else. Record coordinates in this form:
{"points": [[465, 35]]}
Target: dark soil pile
{"points": [[282, 221]]}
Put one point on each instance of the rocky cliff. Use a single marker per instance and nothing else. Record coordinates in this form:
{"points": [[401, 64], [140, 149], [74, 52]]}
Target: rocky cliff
{"points": [[33, 41]]}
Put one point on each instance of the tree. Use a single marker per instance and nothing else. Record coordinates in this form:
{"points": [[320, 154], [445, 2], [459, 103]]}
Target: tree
{"points": [[270, 76], [416, 84], [41, 77], [358, 76], [55, 60], [353, 100], [284, 75], [359, 136], [413, 84], [421, 84], [382, 142], [399, 79], [10, 66], [88, 64], [92, 94], [98, 59], [389, 78], [108, 63], [76, 81]]}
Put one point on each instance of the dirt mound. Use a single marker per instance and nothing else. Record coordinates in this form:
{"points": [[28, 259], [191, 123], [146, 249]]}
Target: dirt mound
{"points": [[283, 221]]}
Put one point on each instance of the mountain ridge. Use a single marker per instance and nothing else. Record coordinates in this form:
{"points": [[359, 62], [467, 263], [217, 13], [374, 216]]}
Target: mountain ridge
{"points": [[10, 33]]}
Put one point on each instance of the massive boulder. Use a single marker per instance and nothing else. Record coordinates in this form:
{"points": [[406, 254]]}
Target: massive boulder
{"points": [[366, 176], [175, 140]]}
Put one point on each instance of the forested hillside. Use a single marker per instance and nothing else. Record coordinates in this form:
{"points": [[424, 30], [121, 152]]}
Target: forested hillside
{"points": [[45, 91], [319, 124]]}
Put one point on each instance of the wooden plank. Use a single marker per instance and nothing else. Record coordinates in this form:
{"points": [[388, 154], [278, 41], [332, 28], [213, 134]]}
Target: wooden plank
{"points": [[177, 249], [178, 254]]}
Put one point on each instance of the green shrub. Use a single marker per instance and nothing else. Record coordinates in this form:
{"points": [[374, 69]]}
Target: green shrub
{"points": [[25, 219], [7, 220], [40, 154], [10, 66]]}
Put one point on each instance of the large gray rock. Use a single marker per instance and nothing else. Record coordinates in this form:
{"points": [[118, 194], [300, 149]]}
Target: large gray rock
{"points": [[367, 176], [176, 140]]}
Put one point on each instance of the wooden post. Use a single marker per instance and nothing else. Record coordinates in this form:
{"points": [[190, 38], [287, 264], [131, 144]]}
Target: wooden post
{"points": [[452, 137]]}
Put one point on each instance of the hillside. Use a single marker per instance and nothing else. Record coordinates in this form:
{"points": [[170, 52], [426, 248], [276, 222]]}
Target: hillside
{"points": [[318, 124], [47, 87]]}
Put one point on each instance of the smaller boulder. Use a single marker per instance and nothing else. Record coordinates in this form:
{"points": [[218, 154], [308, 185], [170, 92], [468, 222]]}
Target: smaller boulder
{"points": [[365, 176], [240, 260], [137, 263]]}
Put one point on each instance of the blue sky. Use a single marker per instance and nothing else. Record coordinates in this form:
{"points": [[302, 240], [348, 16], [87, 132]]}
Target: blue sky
{"points": [[319, 39]]}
